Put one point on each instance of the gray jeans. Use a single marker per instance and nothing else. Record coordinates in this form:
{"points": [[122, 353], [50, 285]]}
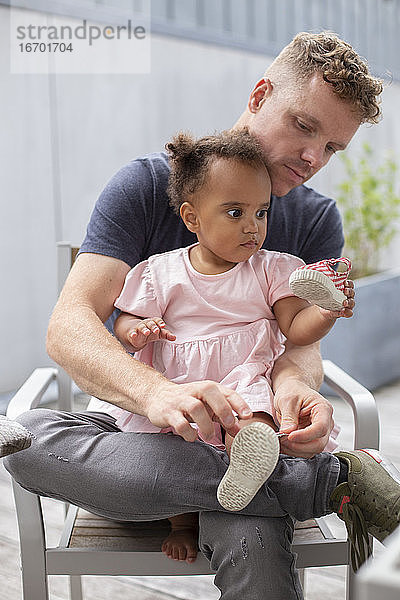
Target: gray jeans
{"points": [[85, 459]]}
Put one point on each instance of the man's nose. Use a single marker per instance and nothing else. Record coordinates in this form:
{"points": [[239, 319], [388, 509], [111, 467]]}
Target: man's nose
{"points": [[315, 156]]}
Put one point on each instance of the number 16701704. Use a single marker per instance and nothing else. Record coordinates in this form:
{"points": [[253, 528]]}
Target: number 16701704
{"points": [[45, 47]]}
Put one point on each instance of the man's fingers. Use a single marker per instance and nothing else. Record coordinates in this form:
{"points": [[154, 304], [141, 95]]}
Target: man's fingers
{"points": [[183, 427], [201, 403], [319, 428], [197, 413], [223, 401], [308, 434], [289, 420], [238, 404]]}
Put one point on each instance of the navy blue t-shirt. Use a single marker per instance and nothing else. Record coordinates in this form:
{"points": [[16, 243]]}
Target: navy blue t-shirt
{"points": [[132, 219]]}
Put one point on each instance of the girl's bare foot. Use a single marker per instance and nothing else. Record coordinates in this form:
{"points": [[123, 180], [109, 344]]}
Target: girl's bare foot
{"points": [[181, 544]]}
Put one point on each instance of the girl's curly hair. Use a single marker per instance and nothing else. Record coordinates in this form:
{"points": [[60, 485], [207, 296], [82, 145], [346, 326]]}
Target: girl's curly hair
{"points": [[190, 159]]}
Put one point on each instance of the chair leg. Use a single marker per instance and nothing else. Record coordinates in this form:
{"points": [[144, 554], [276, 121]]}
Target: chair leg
{"points": [[350, 583], [32, 543], [75, 587], [302, 573], [34, 585]]}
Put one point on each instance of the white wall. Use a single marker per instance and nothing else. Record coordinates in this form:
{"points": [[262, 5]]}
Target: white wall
{"points": [[94, 125]]}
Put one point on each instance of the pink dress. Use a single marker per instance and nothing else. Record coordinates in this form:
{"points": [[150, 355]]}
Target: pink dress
{"points": [[225, 328]]}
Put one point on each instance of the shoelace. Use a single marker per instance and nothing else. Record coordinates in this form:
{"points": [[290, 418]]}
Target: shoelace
{"points": [[360, 543]]}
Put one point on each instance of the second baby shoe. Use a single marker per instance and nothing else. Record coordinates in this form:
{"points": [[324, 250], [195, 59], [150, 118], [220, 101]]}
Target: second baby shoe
{"points": [[320, 284]]}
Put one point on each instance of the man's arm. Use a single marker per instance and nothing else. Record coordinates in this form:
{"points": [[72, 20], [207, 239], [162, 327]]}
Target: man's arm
{"points": [[77, 338], [79, 342], [300, 409]]}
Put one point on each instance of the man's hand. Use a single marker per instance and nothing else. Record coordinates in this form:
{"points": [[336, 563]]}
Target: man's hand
{"points": [[305, 415], [200, 402]]}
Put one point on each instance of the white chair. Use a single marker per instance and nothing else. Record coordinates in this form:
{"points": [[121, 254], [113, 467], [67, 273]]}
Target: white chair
{"points": [[91, 545], [380, 576]]}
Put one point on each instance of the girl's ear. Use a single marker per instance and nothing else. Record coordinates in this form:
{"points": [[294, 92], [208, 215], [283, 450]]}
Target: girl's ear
{"points": [[189, 216]]}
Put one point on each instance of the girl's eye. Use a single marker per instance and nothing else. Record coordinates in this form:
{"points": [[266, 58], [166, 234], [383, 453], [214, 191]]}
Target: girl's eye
{"points": [[235, 213], [261, 213]]}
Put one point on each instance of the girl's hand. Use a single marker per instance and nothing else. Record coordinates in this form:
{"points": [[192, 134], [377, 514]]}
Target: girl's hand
{"points": [[348, 304], [149, 330], [134, 333]]}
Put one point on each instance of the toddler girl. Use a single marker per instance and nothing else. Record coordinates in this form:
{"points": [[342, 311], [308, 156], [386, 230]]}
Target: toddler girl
{"points": [[219, 309]]}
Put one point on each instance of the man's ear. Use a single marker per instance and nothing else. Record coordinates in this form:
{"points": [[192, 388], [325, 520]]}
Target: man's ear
{"points": [[189, 216], [260, 93]]}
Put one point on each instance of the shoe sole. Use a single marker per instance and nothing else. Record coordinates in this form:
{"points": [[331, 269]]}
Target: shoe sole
{"points": [[254, 454], [317, 288], [7, 449], [13, 437]]}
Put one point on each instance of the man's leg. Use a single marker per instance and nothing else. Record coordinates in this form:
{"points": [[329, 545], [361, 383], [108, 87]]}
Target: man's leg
{"points": [[252, 556], [134, 476]]}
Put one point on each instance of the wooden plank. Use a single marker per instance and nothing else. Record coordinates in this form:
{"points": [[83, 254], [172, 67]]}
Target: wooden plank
{"points": [[304, 536], [306, 524], [93, 531]]}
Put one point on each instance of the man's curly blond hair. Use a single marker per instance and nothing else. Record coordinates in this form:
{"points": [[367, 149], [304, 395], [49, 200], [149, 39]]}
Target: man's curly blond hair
{"points": [[340, 66]]}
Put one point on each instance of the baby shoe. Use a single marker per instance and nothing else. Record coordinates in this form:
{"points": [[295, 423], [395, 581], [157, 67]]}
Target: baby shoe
{"points": [[13, 437], [254, 454], [320, 284]]}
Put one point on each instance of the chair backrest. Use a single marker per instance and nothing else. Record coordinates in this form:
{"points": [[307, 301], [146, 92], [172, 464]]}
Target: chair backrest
{"points": [[66, 255]]}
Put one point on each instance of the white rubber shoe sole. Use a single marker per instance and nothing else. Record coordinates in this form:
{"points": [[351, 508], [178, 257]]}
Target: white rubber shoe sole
{"points": [[317, 288], [13, 437], [254, 454]]}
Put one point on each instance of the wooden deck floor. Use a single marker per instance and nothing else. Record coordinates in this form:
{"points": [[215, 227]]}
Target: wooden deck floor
{"points": [[327, 582]]}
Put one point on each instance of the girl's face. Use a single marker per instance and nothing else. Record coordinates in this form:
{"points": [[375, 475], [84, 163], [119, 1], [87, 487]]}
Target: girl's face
{"points": [[228, 214]]}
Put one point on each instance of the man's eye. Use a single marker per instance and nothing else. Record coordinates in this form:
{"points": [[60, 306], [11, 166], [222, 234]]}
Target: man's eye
{"points": [[331, 149], [235, 213], [302, 126], [261, 213]]}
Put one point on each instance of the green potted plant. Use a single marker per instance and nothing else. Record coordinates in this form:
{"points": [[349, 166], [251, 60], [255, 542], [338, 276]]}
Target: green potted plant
{"points": [[370, 207], [368, 345]]}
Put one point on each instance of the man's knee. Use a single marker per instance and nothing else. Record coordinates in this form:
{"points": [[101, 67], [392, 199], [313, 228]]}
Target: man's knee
{"points": [[26, 466], [244, 534], [252, 552]]}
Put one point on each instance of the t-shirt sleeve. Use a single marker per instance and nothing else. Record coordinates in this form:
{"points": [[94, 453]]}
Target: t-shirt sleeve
{"points": [[279, 270], [138, 295], [119, 223]]}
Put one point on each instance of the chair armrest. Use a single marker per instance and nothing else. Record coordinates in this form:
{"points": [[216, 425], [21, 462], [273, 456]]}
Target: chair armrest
{"points": [[361, 401], [31, 392]]}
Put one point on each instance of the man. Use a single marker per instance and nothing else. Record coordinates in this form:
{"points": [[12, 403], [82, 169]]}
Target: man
{"points": [[308, 105]]}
